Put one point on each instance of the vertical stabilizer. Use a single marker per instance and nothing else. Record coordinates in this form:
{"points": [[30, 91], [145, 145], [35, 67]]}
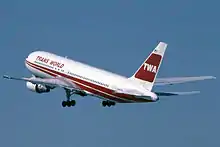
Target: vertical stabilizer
{"points": [[147, 72]]}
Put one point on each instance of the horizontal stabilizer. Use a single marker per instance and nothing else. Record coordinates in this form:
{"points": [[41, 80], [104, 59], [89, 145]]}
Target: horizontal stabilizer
{"points": [[176, 93], [179, 80]]}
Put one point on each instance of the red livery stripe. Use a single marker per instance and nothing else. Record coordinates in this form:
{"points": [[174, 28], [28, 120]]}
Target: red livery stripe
{"points": [[88, 86]]}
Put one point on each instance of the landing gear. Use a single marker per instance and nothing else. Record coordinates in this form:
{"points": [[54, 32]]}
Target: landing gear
{"points": [[68, 102], [108, 103]]}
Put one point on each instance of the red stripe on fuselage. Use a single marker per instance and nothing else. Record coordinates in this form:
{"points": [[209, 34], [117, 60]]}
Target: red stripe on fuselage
{"points": [[94, 88]]}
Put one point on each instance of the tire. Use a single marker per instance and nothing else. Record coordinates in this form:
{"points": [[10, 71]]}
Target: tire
{"points": [[64, 103], [73, 103]]}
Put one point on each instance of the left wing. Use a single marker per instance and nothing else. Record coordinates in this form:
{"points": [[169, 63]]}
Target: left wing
{"points": [[179, 80], [52, 82]]}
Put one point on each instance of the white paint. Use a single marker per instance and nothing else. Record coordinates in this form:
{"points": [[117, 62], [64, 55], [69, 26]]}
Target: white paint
{"points": [[150, 67]]}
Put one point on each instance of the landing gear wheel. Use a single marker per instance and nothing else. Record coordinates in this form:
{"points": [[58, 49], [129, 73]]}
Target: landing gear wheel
{"points": [[64, 103], [73, 102], [104, 103], [112, 103], [68, 102], [108, 103]]}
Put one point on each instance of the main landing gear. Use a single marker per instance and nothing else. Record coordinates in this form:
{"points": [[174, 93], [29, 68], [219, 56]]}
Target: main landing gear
{"points": [[68, 102], [108, 103]]}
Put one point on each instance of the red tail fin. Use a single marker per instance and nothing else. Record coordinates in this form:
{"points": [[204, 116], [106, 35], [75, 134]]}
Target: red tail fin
{"points": [[148, 70]]}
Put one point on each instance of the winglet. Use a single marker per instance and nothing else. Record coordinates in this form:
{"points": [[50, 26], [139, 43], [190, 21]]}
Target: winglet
{"points": [[6, 77], [212, 77], [11, 78]]}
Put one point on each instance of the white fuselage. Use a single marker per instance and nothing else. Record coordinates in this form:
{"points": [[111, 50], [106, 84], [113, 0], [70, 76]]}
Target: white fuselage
{"points": [[94, 81]]}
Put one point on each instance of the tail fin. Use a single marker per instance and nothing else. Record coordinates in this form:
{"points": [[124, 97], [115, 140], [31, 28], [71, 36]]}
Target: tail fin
{"points": [[148, 71]]}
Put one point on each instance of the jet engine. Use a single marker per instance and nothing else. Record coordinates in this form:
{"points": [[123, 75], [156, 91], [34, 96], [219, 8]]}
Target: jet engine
{"points": [[38, 88]]}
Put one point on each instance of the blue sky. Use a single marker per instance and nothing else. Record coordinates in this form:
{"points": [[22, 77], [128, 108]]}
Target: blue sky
{"points": [[117, 36]]}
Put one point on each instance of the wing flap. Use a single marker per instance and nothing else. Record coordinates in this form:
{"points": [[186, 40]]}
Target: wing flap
{"points": [[179, 80]]}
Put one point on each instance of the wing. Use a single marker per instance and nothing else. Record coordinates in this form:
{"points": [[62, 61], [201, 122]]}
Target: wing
{"points": [[179, 80], [52, 82]]}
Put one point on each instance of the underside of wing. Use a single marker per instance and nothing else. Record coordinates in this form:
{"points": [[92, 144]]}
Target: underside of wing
{"points": [[51, 82], [176, 93], [179, 80]]}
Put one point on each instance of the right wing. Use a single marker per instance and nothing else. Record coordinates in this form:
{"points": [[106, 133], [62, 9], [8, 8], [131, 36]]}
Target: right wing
{"points": [[179, 80]]}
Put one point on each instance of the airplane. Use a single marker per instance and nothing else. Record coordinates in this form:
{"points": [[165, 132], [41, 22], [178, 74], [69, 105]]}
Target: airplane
{"points": [[50, 71]]}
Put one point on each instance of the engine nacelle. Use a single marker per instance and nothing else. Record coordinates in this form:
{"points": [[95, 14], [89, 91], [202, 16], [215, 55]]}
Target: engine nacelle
{"points": [[38, 88]]}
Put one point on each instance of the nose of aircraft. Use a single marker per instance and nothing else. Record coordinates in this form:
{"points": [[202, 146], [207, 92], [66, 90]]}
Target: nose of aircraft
{"points": [[30, 58], [33, 55]]}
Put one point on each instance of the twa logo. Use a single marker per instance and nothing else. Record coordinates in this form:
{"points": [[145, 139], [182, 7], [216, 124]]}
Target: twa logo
{"points": [[150, 68]]}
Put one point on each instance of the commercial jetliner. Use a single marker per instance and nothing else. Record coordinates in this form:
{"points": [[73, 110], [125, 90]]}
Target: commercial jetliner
{"points": [[50, 71]]}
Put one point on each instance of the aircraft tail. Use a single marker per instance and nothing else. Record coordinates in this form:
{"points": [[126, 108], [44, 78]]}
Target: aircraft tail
{"points": [[147, 72]]}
